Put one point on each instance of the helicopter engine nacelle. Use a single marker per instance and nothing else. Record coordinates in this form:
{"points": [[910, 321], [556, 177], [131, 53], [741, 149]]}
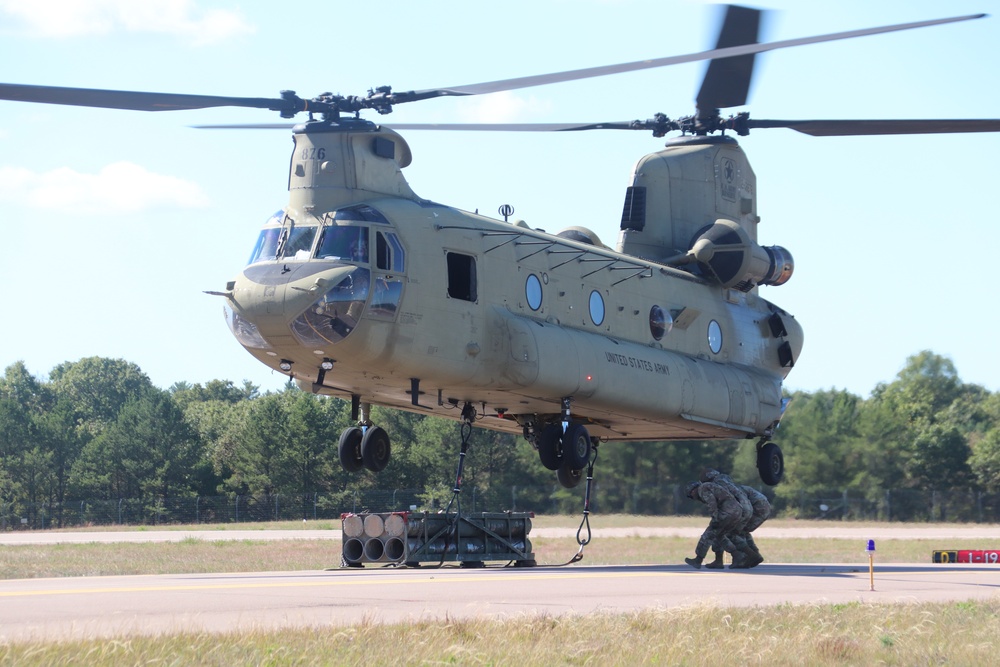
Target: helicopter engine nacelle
{"points": [[726, 253]]}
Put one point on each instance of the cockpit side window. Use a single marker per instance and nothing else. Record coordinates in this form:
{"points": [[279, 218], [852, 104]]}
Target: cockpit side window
{"points": [[344, 243], [389, 252]]}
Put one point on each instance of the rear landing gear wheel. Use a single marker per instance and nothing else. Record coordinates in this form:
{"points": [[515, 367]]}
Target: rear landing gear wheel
{"points": [[576, 447], [569, 477], [770, 464], [375, 450], [350, 449], [548, 446]]}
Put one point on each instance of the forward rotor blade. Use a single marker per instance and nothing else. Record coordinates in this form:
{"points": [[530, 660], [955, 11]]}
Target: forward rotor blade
{"points": [[133, 100], [590, 72], [454, 127], [845, 128], [816, 128], [727, 80]]}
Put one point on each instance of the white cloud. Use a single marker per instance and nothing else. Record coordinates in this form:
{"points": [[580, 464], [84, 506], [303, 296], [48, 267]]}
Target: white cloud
{"points": [[68, 18], [121, 187], [505, 107]]}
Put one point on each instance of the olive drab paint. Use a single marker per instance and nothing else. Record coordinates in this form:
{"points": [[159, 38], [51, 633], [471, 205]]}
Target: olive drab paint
{"points": [[714, 372]]}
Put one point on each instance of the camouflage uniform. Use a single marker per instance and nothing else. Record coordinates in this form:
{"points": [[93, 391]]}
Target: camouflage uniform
{"points": [[745, 554], [761, 512], [726, 516]]}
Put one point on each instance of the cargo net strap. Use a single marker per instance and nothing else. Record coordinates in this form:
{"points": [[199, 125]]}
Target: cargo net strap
{"points": [[456, 491], [583, 534]]}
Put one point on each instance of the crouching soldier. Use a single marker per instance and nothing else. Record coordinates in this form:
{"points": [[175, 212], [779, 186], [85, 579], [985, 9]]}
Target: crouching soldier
{"points": [[747, 558], [721, 532], [761, 512]]}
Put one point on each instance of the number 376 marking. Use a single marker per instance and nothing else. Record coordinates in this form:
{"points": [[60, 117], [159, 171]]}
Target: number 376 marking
{"points": [[314, 153]]}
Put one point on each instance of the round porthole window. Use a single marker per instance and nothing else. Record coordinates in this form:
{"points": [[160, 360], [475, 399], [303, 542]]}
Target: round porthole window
{"points": [[660, 322], [714, 337], [533, 291], [596, 307]]}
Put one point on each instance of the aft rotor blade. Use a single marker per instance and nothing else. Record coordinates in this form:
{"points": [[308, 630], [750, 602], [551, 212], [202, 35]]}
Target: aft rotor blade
{"points": [[590, 72], [844, 128], [137, 101], [727, 80], [516, 127]]}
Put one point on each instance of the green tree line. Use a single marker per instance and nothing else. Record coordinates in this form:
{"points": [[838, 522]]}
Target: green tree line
{"points": [[98, 429]]}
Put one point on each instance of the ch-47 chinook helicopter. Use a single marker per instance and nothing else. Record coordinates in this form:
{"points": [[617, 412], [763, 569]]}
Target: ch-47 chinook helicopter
{"points": [[360, 288]]}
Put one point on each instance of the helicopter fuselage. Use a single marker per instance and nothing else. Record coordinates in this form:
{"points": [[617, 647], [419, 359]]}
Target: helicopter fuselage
{"points": [[359, 288]]}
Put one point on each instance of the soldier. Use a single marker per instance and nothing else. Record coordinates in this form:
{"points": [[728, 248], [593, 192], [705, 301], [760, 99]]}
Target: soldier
{"points": [[726, 513], [746, 556], [761, 512]]}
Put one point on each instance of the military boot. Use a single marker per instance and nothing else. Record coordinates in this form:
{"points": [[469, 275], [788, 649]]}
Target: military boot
{"points": [[741, 560], [755, 559], [717, 564], [694, 562]]}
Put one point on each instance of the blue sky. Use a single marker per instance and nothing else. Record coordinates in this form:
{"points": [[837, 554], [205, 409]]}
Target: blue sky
{"points": [[114, 222]]}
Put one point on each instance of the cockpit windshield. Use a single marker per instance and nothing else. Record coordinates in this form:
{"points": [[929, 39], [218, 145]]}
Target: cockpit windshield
{"points": [[288, 242], [345, 243]]}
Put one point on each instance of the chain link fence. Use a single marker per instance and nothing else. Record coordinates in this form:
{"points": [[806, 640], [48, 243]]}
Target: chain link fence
{"points": [[663, 500]]}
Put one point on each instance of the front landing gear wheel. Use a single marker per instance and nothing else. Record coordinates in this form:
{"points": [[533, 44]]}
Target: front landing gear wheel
{"points": [[375, 449], [350, 449], [770, 464]]}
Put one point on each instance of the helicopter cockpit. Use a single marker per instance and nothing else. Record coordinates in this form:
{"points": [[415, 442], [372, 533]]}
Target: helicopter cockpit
{"points": [[334, 255]]}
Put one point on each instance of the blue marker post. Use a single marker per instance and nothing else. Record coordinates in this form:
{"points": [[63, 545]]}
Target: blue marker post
{"points": [[870, 548]]}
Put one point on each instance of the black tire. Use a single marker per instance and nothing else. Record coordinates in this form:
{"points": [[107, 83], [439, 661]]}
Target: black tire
{"points": [[549, 445], [375, 450], [576, 447], [569, 477], [350, 449], [770, 464]]}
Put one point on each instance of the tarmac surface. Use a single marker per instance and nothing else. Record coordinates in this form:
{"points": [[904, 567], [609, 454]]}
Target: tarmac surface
{"points": [[832, 531], [85, 607]]}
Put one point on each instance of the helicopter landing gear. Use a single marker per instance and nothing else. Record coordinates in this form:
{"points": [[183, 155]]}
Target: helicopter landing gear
{"points": [[770, 462], [350, 449], [375, 449], [364, 445], [569, 477], [549, 446], [576, 447], [558, 449], [563, 446]]}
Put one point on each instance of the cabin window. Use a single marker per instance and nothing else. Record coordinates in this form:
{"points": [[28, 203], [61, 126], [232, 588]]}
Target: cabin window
{"points": [[462, 276], [533, 292], [659, 322], [714, 337], [596, 308]]}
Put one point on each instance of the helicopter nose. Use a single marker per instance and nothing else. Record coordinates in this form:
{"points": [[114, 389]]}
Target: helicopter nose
{"points": [[319, 307], [333, 316]]}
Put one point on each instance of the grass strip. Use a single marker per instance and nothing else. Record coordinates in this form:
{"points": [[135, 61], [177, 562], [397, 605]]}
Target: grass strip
{"points": [[963, 633]]}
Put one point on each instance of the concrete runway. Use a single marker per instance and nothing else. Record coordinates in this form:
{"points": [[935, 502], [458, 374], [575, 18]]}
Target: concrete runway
{"points": [[84, 607]]}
